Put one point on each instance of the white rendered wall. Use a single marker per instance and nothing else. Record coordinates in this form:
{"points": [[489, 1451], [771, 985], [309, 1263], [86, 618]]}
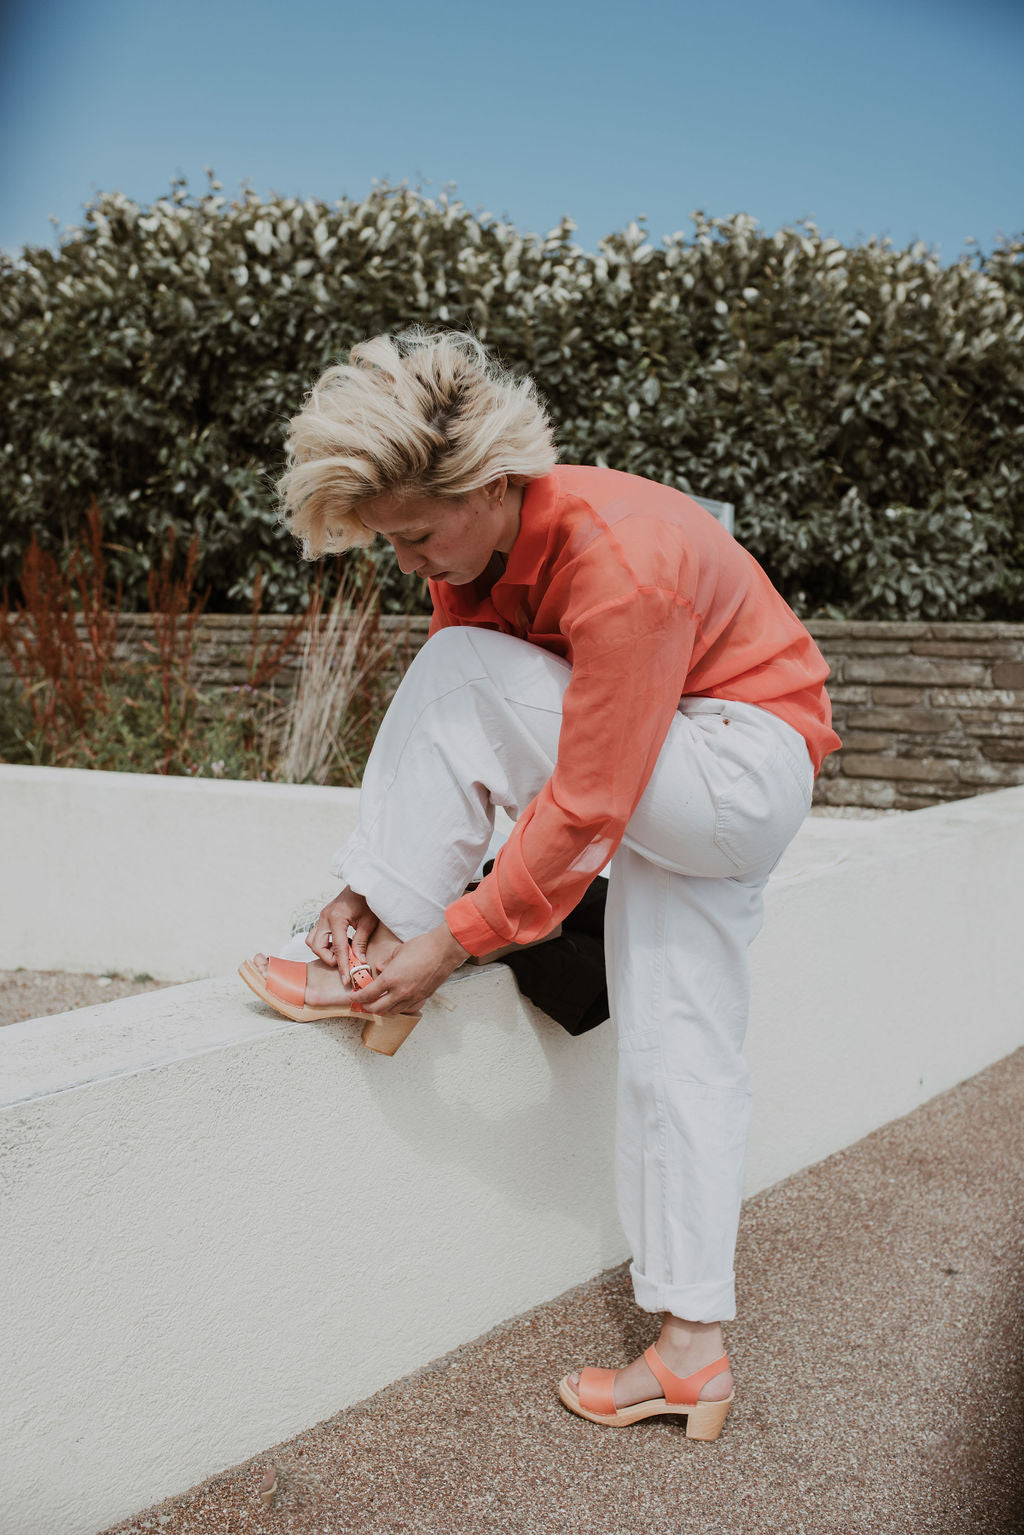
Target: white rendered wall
{"points": [[174, 877], [220, 1227], [887, 971], [178, 878]]}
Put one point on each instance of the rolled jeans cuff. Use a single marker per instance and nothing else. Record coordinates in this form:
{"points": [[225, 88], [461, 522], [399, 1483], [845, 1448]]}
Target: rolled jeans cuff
{"points": [[714, 1301], [402, 908]]}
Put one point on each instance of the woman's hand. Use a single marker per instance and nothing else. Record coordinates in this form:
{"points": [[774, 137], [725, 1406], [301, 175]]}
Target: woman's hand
{"points": [[413, 973], [329, 937]]}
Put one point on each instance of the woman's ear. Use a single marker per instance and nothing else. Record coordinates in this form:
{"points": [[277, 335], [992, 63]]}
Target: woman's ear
{"points": [[497, 489]]}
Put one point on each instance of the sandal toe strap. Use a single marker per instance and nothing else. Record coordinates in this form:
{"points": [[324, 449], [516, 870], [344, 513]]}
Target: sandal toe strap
{"points": [[597, 1390], [286, 978]]}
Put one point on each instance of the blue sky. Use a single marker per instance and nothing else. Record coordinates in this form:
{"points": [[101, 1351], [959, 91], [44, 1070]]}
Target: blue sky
{"points": [[884, 117]]}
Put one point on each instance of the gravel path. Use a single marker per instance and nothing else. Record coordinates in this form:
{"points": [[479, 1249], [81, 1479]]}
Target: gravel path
{"points": [[36, 993]]}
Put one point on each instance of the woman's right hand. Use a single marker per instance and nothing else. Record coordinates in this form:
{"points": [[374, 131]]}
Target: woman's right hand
{"points": [[329, 938]]}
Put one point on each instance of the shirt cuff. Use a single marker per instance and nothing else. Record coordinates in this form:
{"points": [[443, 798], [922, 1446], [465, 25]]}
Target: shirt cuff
{"points": [[466, 924]]}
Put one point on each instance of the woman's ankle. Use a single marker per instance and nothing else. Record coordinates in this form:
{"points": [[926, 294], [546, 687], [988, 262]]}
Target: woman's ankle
{"points": [[687, 1347], [681, 1333]]}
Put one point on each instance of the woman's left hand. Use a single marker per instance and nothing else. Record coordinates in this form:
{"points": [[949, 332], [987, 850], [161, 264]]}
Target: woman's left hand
{"points": [[413, 973]]}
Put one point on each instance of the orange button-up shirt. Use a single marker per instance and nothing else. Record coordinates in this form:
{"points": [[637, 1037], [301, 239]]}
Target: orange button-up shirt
{"points": [[649, 599]]}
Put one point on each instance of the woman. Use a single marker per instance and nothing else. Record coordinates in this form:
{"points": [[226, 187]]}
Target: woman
{"points": [[610, 666]]}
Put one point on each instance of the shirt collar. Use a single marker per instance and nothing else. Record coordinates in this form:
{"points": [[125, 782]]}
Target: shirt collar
{"points": [[526, 557]]}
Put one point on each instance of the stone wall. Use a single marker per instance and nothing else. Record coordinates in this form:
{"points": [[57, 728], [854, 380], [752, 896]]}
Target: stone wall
{"points": [[226, 649], [927, 712]]}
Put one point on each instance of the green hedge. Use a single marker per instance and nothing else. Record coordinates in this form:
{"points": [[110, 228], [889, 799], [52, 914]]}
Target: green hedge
{"points": [[862, 407]]}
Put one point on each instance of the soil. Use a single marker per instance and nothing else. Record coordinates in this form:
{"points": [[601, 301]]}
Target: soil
{"points": [[36, 993]]}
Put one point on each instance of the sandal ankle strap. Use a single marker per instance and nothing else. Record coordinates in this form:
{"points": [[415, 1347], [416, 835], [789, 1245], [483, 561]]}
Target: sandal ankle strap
{"points": [[674, 1388]]}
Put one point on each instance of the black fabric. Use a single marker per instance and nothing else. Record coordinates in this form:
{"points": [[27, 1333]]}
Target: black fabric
{"points": [[565, 976]]}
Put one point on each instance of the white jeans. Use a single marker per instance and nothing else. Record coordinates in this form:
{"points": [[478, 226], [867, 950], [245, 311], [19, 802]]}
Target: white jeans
{"points": [[475, 724]]}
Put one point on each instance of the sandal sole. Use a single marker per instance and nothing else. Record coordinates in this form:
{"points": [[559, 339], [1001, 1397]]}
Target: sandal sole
{"points": [[382, 1033], [704, 1419]]}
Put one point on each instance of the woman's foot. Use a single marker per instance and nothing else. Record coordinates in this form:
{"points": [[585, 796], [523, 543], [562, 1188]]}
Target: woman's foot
{"points": [[381, 947], [684, 1347], [324, 985]]}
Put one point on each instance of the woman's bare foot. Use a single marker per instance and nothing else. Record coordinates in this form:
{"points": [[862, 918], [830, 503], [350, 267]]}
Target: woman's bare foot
{"points": [[685, 1347], [381, 947], [324, 984]]}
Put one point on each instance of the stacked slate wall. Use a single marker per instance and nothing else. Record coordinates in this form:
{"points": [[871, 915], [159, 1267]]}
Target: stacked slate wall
{"points": [[927, 712]]}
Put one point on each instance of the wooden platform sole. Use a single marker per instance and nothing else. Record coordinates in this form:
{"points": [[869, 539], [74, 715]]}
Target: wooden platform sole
{"points": [[383, 1033], [703, 1419]]}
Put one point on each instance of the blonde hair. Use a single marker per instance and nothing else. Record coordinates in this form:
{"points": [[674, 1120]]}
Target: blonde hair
{"points": [[422, 412]]}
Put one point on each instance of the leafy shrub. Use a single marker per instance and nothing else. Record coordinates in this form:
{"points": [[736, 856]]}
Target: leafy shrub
{"points": [[152, 359]]}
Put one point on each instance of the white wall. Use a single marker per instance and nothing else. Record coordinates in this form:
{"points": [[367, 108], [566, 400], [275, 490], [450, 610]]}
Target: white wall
{"points": [[175, 877], [222, 1227], [178, 878], [887, 971]]}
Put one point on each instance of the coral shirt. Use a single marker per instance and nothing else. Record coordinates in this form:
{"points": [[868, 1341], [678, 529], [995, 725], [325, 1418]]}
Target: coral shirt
{"points": [[649, 598]]}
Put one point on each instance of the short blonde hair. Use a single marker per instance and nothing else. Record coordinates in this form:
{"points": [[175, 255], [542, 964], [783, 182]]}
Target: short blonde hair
{"points": [[422, 412]]}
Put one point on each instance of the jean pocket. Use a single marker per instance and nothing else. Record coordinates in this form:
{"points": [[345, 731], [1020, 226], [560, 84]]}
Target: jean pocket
{"points": [[759, 814]]}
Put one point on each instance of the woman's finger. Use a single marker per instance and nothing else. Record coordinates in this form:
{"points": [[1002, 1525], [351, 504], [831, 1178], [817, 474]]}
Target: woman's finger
{"points": [[413, 973], [320, 941], [365, 928], [377, 992], [379, 998], [329, 938]]}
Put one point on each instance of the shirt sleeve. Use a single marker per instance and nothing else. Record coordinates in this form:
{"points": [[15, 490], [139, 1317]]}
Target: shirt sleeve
{"points": [[630, 658]]}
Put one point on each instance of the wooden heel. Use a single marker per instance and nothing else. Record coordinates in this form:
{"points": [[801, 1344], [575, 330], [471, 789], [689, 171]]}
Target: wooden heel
{"points": [[704, 1420], [385, 1034]]}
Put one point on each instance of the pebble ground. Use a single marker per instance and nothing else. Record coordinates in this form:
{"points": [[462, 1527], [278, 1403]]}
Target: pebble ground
{"points": [[38, 993]]}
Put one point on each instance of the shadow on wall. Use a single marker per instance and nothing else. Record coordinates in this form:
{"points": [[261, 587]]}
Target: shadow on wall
{"points": [[449, 1116]]}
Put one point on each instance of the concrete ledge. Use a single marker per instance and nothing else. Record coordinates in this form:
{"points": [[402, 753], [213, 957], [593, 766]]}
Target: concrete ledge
{"points": [[887, 971], [222, 1227]]}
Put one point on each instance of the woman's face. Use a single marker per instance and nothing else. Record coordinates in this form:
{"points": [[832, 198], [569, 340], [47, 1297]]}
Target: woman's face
{"points": [[447, 539]]}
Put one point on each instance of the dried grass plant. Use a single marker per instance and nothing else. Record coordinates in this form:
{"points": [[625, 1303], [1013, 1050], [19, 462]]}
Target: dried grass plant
{"points": [[80, 694], [332, 715], [60, 638]]}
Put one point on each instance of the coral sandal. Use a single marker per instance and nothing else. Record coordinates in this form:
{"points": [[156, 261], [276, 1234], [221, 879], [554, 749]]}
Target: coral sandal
{"points": [[595, 1398], [284, 989]]}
